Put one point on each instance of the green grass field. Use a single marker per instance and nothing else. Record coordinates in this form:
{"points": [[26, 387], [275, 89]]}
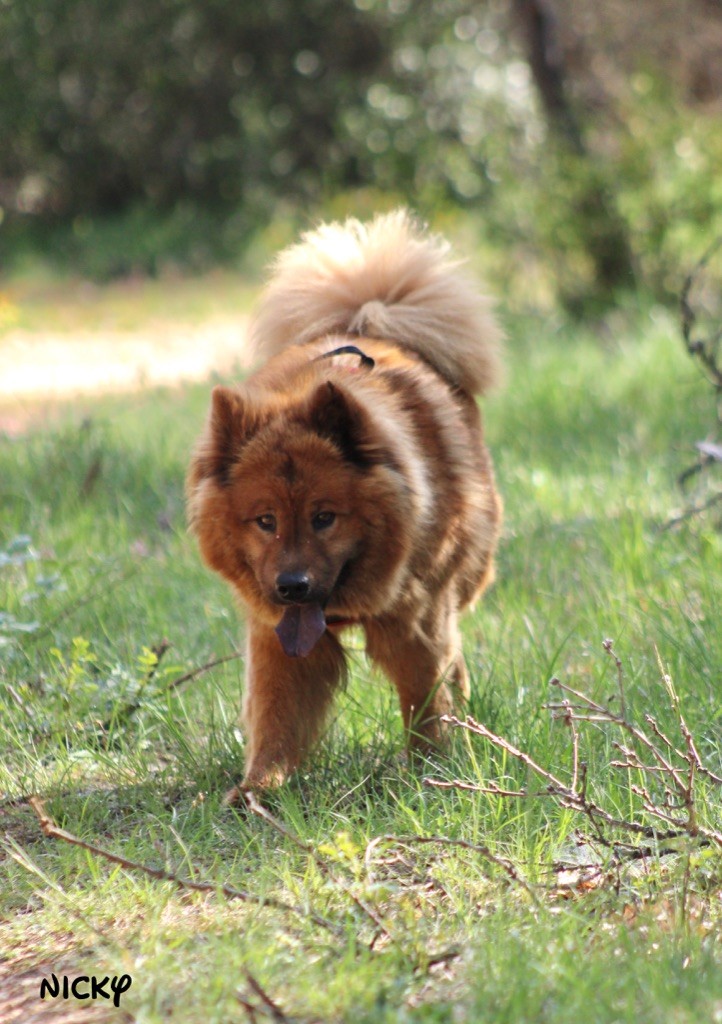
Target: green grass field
{"points": [[522, 909]]}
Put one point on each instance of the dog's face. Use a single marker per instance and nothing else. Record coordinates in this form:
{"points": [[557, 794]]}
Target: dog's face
{"points": [[299, 532], [294, 504], [296, 520]]}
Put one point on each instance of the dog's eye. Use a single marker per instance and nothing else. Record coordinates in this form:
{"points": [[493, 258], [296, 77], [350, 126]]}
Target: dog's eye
{"points": [[323, 519], [267, 522]]}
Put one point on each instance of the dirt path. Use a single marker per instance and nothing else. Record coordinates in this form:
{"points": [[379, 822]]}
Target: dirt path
{"points": [[60, 365]]}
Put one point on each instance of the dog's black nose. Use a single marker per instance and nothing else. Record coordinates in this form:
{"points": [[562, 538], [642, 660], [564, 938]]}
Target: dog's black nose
{"points": [[293, 586]]}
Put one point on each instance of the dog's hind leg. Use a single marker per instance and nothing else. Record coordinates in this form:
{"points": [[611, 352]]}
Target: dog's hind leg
{"points": [[285, 704]]}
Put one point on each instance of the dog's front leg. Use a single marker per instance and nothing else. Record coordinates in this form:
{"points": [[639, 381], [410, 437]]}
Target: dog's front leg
{"points": [[428, 674], [285, 704]]}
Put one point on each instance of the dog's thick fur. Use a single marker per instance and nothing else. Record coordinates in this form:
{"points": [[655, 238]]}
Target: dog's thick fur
{"points": [[339, 487]]}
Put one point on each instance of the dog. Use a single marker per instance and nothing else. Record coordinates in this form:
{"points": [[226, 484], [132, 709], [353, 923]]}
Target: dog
{"points": [[346, 481]]}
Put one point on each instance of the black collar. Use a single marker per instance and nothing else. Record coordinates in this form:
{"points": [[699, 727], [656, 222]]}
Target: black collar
{"points": [[350, 350]]}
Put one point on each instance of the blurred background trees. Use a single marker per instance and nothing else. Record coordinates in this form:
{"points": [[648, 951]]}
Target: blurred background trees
{"points": [[581, 141]]}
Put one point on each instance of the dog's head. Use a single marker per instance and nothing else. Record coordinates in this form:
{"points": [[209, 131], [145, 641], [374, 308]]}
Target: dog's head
{"points": [[300, 505]]}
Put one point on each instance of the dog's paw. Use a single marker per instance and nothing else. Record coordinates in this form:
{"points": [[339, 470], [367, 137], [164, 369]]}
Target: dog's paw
{"points": [[234, 797]]}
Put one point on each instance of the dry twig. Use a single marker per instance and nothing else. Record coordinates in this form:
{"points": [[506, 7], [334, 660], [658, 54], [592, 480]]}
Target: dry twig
{"points": [[445, 841], [608, 647], [268, 1006], [691, 511], [194, 673], [704, 350], [125, 712]]}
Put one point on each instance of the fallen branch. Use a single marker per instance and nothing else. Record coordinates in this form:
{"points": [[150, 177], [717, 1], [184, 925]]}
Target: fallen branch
{"points": [[665, 773], [52, 831]]}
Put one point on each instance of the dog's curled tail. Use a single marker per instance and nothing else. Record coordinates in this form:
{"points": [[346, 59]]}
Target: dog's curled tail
{"points": [[386, 279]]}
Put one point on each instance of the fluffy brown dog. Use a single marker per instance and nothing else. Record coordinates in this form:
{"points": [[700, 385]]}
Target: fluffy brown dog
{"points": [[347, 481]]}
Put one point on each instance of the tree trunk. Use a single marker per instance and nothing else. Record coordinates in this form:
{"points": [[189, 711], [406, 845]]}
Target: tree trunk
{"points": [[606, 233]]}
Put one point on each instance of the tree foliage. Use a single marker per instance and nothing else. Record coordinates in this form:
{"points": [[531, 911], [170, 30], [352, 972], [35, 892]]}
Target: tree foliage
{"points": [[108, 103], [606, 172]]}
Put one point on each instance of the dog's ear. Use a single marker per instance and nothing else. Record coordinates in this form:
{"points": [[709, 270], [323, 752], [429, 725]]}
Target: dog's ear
{"points": [[338, 416], [231, 424]]}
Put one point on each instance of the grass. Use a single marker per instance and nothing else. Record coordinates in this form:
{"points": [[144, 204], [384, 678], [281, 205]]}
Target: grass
{"points": [[96, 569]]}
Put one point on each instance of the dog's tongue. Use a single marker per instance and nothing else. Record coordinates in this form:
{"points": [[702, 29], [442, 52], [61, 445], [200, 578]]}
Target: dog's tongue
{"points": [[300, 629]]}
